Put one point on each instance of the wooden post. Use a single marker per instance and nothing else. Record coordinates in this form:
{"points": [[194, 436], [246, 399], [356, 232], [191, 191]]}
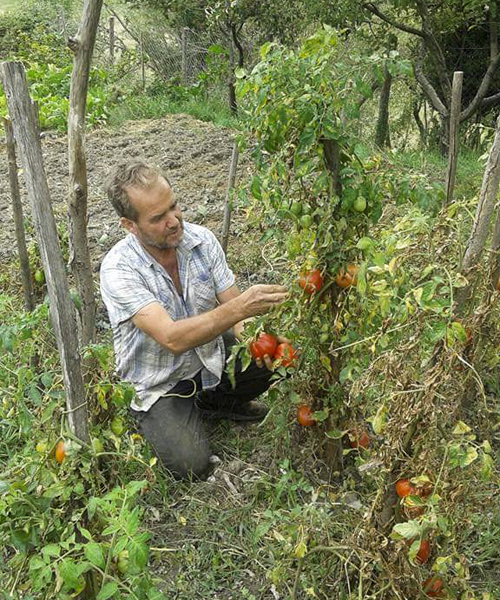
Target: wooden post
{"points": [[111, 39], [61, 307], [184, 60], [143, 62], [81, 266], [228, 206], [454, 126], [17, 209]]}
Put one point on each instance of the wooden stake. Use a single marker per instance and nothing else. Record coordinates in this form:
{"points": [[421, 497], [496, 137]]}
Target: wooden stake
{"points": [[454, 124], [17, 209], [61, 307], [228, 206]]}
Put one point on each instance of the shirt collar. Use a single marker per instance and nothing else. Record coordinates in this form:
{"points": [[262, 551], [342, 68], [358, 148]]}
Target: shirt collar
{"points": [[190, 239]]}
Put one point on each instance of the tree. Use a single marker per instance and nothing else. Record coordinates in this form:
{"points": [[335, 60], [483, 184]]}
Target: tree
{"points": [[432, 65]]}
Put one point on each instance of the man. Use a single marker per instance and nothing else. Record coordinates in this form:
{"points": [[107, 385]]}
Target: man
{"points": [[174, 308]]}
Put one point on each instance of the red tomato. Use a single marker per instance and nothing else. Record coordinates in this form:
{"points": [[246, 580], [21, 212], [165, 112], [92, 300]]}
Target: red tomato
{"points": [[423, 552], [432, 587], [405, 488], [304, 416], [286, 354], [347, 277], [361, 441], [311, 281], [60, 451], [265, 344]]}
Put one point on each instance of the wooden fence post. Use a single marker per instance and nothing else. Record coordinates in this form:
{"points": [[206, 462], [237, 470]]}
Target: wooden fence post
{"points": [[456, 102], [228, 206], [111, 39], [17, 209], [143, 61], [61, 307], [184, 58]]}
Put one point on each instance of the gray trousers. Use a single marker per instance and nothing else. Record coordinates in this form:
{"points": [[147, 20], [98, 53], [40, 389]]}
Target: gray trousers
{"points": [[175, 427]]}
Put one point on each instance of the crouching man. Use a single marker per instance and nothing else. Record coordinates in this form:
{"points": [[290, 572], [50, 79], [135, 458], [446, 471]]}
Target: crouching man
{"points": [[174, 309]]}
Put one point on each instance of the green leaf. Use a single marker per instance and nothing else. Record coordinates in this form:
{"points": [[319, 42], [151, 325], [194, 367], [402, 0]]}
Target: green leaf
{"points": [[364, 243], [461, 428], [93, 552], [239, 73], [470, 456], [69, 574], [107, 591], [255, 188], [408, 530], [378, 421]]}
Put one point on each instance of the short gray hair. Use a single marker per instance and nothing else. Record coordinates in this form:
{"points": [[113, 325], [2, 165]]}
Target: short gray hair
{"points": [[126, 175]]}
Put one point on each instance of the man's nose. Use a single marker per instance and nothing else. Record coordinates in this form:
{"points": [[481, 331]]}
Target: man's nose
{"points": [[172, 221]]}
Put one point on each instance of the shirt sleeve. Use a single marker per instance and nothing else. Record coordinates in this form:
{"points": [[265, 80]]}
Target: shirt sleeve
{"points": [[222, 274], [123, 292]]}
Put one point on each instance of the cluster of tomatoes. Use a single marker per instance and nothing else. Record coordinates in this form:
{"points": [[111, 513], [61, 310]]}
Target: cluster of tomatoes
{"points": [[267, 345], [432, 586]]}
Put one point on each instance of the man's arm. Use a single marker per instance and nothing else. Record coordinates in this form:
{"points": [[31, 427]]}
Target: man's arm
{"points": [[179, 336]]}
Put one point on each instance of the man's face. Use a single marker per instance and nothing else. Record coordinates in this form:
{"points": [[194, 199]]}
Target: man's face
{"points": [[159, 220]]}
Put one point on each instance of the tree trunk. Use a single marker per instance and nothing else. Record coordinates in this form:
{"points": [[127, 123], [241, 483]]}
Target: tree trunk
{"points": [[81, 267], [482, 221], [61, 307], [382, 131], [17, 210]]}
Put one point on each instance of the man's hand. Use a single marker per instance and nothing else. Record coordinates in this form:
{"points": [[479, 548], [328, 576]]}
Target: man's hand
{"points": [[266, 360], [259, 299]]}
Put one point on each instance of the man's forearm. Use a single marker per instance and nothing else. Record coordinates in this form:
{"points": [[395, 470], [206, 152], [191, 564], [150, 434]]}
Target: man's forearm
{"points": [[189, 333]]}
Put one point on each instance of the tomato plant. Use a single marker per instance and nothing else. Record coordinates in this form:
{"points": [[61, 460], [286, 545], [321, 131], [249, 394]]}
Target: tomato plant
{"points": [[265, 344]]}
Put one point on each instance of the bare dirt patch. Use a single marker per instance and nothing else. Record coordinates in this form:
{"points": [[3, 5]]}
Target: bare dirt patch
{"points": [[196, 156]]}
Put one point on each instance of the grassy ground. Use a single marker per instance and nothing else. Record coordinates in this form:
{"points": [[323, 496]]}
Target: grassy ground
{"points": [[6, 5]]}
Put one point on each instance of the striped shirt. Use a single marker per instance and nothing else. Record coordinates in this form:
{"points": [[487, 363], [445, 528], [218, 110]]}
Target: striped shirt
{"points": [[131, 279]]}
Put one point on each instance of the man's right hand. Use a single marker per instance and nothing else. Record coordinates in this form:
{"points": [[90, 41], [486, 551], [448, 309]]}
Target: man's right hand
{"points": [[259, 299]]}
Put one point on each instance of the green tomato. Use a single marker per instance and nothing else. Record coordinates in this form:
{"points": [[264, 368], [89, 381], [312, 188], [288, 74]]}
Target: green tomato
{"points": [[41, 447], [296, 209], [324, 337], [39, 276], [306, 221], [97, 445], [116, 426], [122, 563], [359, 204]]}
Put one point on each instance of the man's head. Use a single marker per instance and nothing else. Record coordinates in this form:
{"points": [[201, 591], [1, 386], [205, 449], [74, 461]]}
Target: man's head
{"points": [[144, 200]]}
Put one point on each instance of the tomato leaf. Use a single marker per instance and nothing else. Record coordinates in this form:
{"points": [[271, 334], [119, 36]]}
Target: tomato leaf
{"points": [[408, 530], [93, 552], [108, 589]]}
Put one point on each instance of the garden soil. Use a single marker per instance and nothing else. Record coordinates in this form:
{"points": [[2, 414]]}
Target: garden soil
{"points": [[195, 155]]}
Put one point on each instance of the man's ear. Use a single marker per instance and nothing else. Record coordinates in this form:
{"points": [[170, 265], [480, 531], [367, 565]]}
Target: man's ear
{"points": [[127, 224]]}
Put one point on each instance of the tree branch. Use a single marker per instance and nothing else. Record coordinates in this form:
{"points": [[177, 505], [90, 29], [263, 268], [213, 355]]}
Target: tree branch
{"points": [[482, 89], [490, 101], [374, 10], [428, 89]]}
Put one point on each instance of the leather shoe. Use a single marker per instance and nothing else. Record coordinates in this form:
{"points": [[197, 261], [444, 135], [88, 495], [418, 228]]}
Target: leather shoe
{"points": [[249, 411]]}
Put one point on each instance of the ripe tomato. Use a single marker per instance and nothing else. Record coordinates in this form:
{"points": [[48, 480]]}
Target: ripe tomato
{"points": [[405, 488], [304, 416], [360, 441], [286, 354], [348, 277], [432, 587], [423, 552], [265, 344], [60, 451], [311, 281]]}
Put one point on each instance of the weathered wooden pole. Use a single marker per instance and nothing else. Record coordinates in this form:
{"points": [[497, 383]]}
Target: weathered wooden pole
{"points": [[17, 210], [454, 126], [184, 57], [228, 205], [61, 307], [481, 227], [82, 46], [111, 40]]}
